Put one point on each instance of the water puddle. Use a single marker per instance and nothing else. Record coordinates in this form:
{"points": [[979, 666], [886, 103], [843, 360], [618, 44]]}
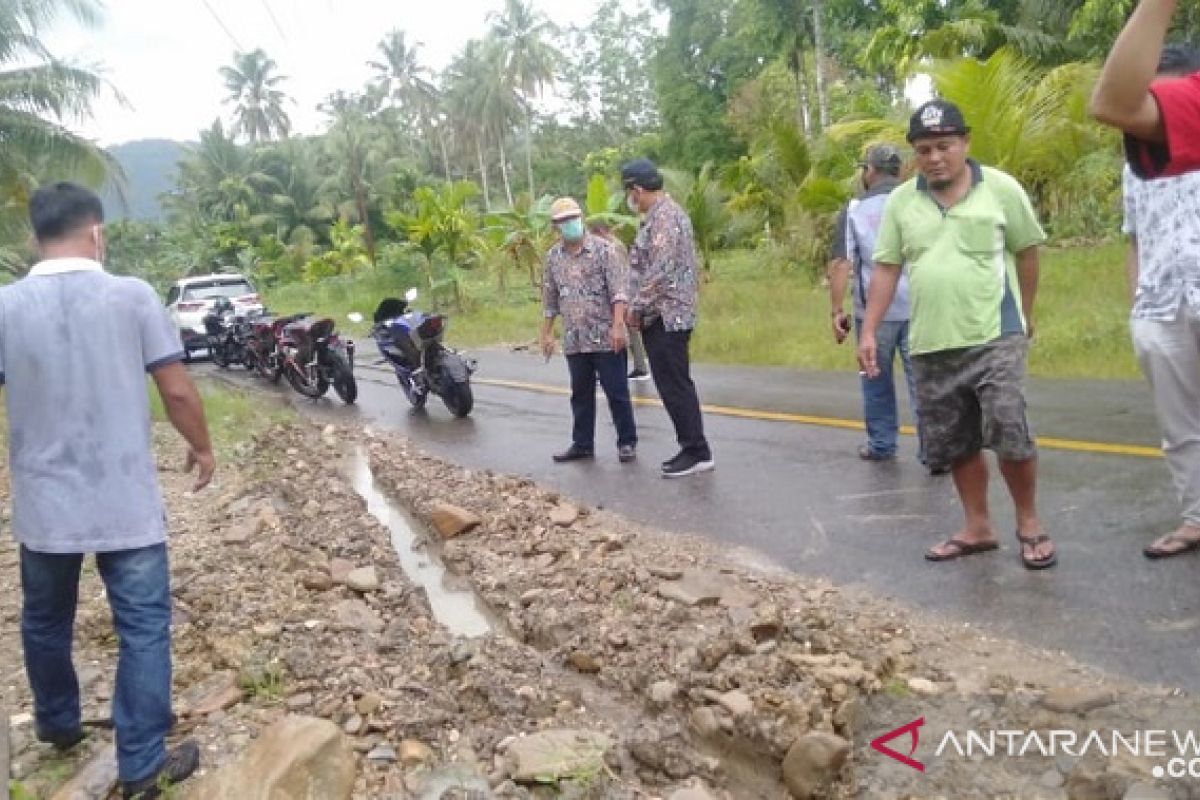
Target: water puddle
{"points": [[460, 611]]}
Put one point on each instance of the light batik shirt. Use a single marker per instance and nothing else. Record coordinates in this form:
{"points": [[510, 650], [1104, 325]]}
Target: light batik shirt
{"points": [[663, 264], [582, 288], [1164, 215]]}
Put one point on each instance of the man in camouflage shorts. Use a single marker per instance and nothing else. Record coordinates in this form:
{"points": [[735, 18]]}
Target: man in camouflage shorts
{"points": [[968, 239]]}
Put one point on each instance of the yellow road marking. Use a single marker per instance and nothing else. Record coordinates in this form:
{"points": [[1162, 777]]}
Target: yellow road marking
{"points": [[1048, 442]]}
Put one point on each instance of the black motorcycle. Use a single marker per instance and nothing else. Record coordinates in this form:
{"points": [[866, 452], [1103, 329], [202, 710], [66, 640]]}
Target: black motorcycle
{"points": [[224, 329], [411, 342]]}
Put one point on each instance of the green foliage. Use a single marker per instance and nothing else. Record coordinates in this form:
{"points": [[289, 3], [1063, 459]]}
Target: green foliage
{"points": [[346, 255], [258, 103]]}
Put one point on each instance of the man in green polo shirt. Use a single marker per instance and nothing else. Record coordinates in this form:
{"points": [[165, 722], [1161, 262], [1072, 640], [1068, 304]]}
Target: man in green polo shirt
{"points": [[968, 238]]}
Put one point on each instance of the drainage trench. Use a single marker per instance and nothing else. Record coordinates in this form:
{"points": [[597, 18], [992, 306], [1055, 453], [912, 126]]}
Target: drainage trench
{"points": [[464, 613], [461, 611]]}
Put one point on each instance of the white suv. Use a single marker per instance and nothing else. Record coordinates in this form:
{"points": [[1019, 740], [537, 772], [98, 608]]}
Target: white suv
{"points": [[191, 298]]}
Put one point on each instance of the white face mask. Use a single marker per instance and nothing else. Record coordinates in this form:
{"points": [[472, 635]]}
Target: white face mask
{"points": [[631, 201]]}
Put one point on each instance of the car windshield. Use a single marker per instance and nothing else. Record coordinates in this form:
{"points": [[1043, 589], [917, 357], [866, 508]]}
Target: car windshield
{"points": [[215, 289]]}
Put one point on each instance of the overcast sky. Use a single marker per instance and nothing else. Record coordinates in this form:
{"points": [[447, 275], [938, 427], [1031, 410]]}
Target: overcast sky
{"points": [[163, 55]]}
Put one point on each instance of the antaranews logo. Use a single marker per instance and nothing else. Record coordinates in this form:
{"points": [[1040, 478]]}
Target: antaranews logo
{"points": [[1178, 752], [880, 744]]}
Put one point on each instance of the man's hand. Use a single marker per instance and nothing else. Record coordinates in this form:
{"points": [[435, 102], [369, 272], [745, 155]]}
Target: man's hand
{"points": [[206, 464], [1030, 328], [618, 336], [867, 354], [841, 326], [547, 346]]}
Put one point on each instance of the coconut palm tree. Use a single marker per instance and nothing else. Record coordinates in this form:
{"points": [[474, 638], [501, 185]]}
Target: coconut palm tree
{"points": [[259, 113], [39, 97], [528, 60]]}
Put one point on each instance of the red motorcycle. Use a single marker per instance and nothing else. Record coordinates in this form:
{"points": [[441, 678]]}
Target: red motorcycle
{"points": [[314, 357], [262, 351]]}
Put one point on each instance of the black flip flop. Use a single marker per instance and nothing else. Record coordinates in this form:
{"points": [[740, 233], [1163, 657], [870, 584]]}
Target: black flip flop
{"points": [[1034, 541], [1156, 553], [962, 549]]}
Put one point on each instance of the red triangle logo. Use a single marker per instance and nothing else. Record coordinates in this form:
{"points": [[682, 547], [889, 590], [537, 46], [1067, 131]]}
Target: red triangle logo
{"points": [[913, 729]]}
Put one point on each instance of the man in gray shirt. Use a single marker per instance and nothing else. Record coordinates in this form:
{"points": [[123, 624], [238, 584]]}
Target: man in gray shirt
{"points": [[75, 346]]}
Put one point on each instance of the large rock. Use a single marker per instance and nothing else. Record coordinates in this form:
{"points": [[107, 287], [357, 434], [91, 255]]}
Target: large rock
{"points": [[696, 588], [813, 763], [357, 615], [564, 515], [298, 757], [700, 792], [1077, 701], [450, 520], [1087, 782], [552, 755], [363, 579], [96, 779]]}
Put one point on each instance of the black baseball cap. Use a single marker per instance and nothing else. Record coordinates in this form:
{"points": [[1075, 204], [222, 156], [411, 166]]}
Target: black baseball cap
{"points": [[641, 173], [937, 118]]}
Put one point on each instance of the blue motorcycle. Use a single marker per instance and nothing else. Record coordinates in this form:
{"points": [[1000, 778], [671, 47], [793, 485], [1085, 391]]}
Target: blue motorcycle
{"points": [[411, 341]]}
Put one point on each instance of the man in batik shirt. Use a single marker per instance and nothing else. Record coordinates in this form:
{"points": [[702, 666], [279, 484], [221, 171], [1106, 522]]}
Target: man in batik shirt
{"points": [[663, 263], [586, 282]]}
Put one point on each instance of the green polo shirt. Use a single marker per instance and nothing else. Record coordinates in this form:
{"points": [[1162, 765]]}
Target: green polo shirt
{"points": [[961, 264]]}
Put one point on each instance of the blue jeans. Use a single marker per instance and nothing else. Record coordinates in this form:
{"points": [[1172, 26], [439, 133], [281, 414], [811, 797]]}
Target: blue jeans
{"points": [[138, 586], [879, 394], [609, 368]]}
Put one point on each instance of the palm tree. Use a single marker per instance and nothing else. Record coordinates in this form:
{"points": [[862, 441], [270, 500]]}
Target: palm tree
{"points": [[38, 95], [404, 83], [252, 83], [529, 60]]}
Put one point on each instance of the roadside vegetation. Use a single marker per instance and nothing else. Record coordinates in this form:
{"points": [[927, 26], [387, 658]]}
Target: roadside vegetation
{"points": [[758, 110]]}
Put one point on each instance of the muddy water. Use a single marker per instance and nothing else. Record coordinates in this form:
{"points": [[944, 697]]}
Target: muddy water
{"points": [[461, 612]]}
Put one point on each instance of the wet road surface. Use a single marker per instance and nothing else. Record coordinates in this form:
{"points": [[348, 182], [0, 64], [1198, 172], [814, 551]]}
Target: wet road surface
{"points": [[799, 494]]}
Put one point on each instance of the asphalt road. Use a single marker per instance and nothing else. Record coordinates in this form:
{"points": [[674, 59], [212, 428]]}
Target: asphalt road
{"points": [[797, 493]]}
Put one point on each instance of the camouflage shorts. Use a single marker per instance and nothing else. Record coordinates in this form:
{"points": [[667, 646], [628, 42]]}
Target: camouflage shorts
{"points": [[973, 398]]}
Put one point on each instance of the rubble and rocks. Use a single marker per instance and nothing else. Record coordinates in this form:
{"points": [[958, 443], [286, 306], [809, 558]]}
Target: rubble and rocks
{"points": [[633, 665]]}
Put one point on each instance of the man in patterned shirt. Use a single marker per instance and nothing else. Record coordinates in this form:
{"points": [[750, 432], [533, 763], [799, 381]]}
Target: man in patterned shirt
{"points": [[587, 283], [663, 263], [1164, 281]]}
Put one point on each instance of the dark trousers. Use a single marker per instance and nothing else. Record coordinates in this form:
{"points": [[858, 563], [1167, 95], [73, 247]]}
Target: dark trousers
{"points": [[671, 369], [610, 369], [138, 586]]}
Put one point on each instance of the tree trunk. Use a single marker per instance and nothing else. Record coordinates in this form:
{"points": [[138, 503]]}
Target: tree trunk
{"points": [[487, 198], [360, 200], [504, 171], [803, 113], [529, 150], [445, 158], [819, 70]]}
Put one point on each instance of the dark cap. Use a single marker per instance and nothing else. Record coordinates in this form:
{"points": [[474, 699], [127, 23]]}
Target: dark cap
{"points": [[883, 157], [937, 118], [641, 173]]}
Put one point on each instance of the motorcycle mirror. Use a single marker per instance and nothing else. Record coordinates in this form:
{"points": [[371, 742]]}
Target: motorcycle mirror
{"points": [[411, 294], [354, 316]]}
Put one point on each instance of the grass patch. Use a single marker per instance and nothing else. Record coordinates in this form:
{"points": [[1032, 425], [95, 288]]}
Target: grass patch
{"points": [[233, 416], [753, 313]]}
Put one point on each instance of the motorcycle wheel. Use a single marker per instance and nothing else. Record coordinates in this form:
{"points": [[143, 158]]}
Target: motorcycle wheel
{"points": [[459, 399], [219, 355], [417, 399], [342, 378], [313, 391]]}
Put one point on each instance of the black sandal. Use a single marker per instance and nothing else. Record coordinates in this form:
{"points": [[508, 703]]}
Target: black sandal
{"points": [[1036, 563], [1155, 551], [961, 549]]}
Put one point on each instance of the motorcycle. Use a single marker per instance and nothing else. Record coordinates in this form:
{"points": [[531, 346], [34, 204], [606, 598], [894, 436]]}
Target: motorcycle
{"points": [[314, 357], [222, 326], [261, 335], [411, 342]]}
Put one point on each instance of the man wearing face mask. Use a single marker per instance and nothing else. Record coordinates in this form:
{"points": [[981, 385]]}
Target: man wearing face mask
{"points": [[586, 282], [854, 244], [76, 345], [663, 265]]}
